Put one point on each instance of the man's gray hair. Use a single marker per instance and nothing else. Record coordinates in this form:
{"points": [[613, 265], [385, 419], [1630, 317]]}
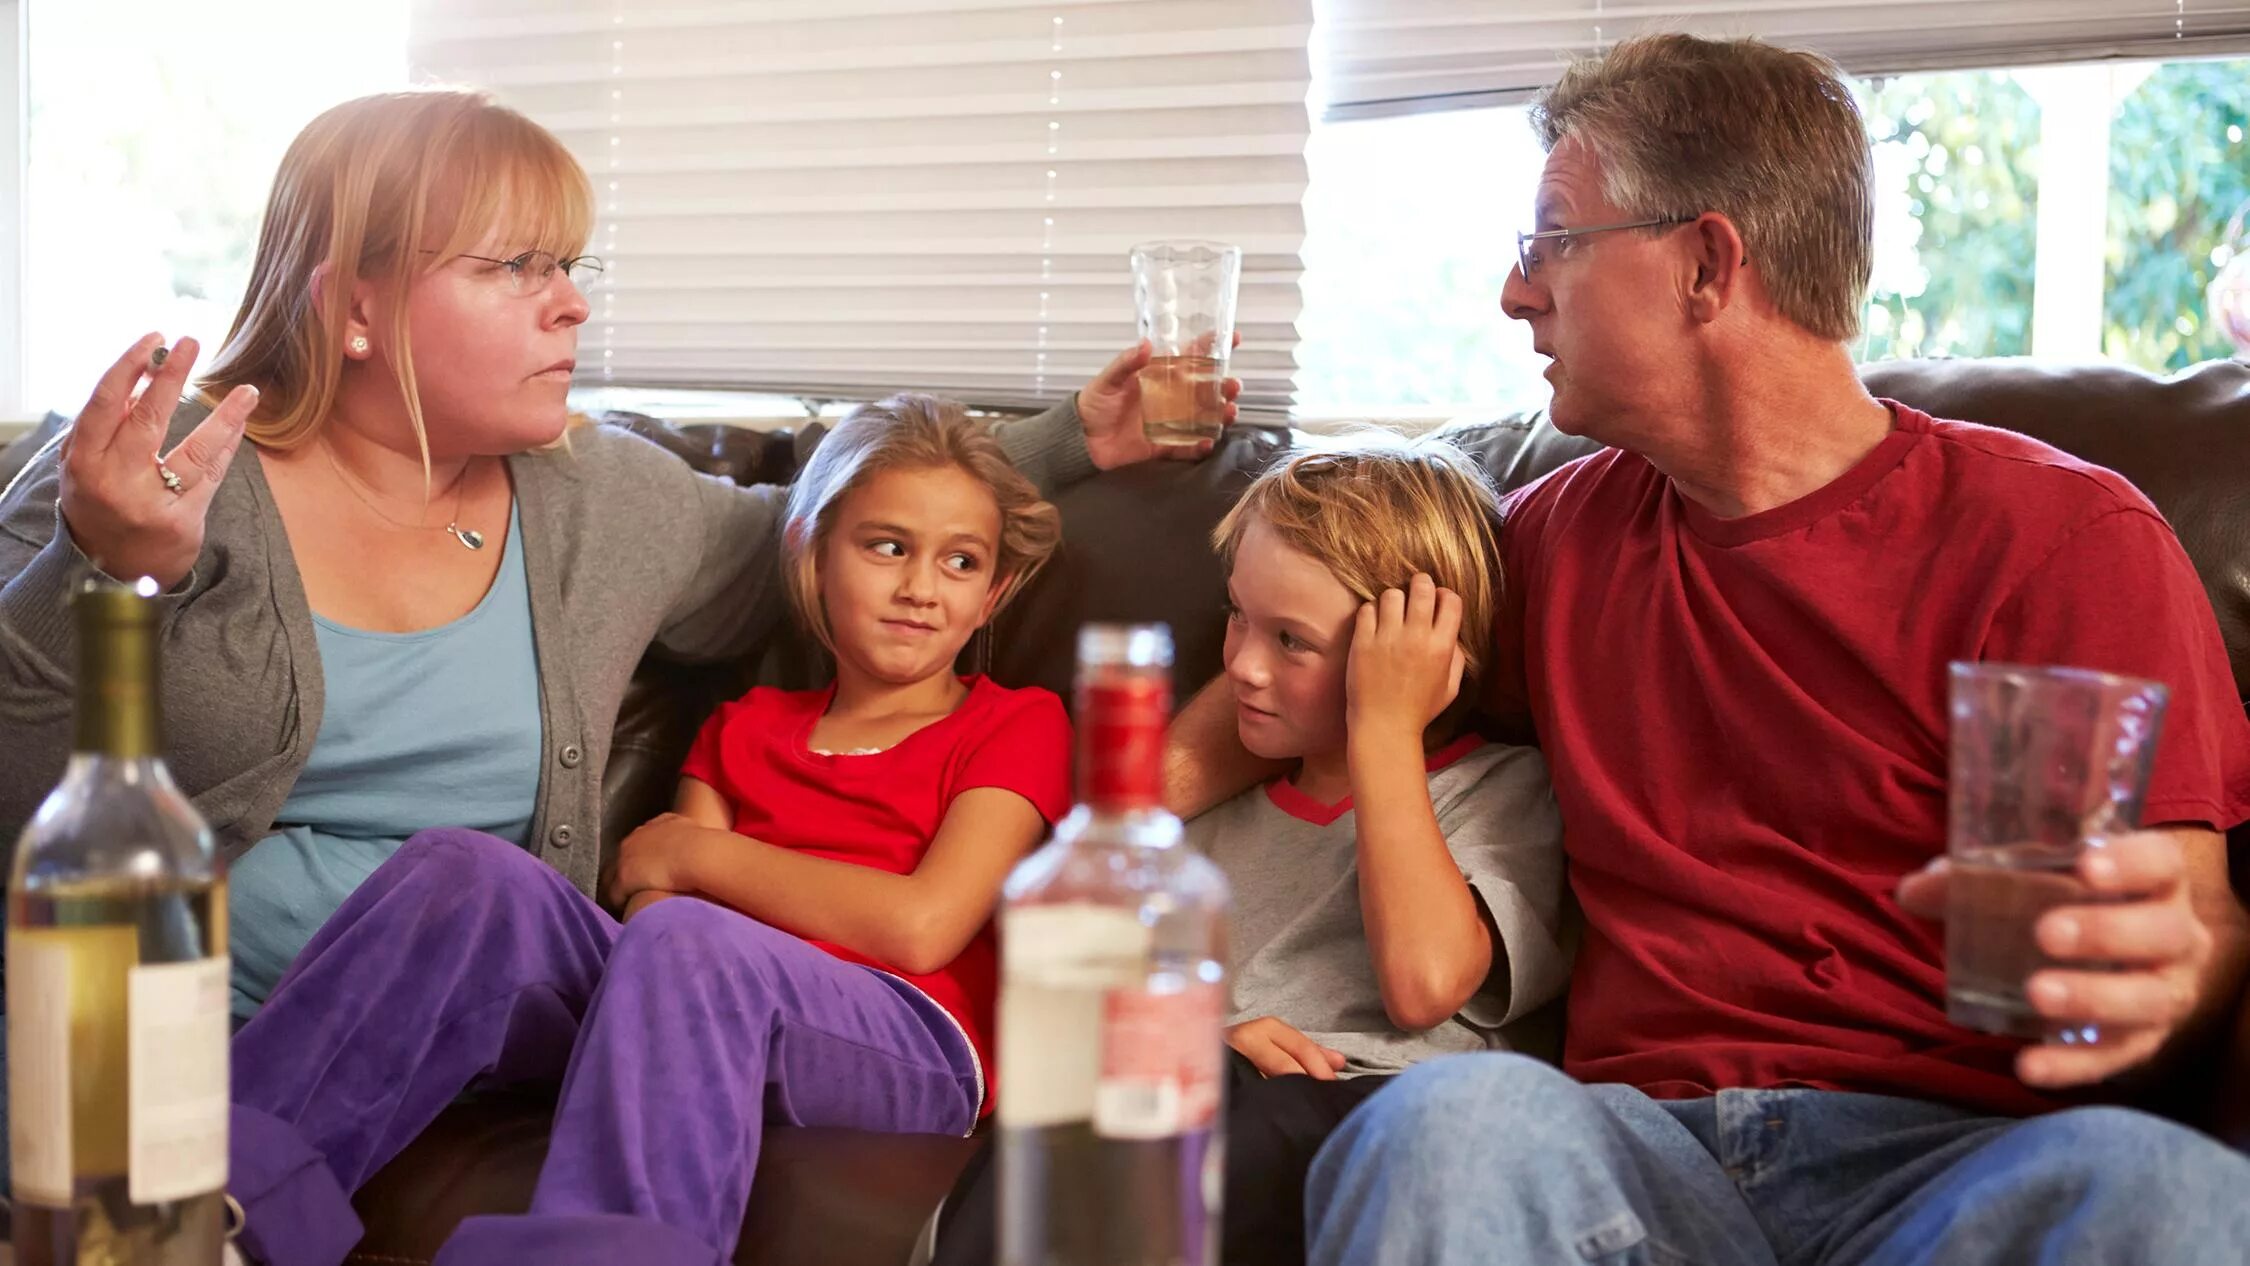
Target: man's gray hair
{"points": [[1768, 137]]}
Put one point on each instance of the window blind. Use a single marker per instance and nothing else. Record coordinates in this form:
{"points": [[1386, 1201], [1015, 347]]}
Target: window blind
{"points": [[845, 197], [1379, 57]]}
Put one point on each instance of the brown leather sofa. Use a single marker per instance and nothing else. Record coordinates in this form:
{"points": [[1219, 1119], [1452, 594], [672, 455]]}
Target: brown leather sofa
{"points": [[1136, 548]]}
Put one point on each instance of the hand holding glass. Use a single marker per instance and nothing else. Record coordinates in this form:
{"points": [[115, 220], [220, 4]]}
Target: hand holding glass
{"points": [[2046, 764], [1184, 296]]}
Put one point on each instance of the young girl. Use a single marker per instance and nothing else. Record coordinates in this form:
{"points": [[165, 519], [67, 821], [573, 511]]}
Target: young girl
{"points": [[847, 848], [807, 937], [884, 811]]}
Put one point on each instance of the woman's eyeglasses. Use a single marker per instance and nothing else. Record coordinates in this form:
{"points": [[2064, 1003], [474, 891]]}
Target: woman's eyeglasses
{"points": [[533, 271]]}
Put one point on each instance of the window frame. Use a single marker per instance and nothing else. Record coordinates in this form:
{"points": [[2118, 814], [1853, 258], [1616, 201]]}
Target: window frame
{"points": [[2069, 279]]}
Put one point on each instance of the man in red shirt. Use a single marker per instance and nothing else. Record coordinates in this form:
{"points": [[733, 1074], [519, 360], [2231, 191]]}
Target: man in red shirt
{"points": [[1731, 630]]}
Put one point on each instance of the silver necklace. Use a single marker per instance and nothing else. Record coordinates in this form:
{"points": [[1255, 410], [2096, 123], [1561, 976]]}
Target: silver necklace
{"points": [[470, 538]]}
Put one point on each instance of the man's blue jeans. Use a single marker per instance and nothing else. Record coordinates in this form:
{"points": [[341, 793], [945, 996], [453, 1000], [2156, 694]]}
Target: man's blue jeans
{"points": [[1501, 1159]]}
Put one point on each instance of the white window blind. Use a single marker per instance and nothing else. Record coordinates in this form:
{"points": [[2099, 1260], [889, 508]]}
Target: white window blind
{"points": [[1381, 57], [844, 197]]}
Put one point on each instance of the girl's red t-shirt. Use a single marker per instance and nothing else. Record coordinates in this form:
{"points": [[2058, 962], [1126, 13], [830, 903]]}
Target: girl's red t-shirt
{"points": [[882, 809]]}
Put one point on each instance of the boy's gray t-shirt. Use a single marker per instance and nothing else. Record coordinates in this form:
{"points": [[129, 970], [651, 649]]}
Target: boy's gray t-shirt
{"points": [[1300, 949]]}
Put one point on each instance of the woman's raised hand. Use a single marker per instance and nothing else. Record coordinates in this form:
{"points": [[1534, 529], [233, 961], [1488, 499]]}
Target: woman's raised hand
{"points": [[132, 508]]}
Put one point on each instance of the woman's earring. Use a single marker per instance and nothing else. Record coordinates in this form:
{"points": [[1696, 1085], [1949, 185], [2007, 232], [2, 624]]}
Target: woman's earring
{"points": [[359, 345]]}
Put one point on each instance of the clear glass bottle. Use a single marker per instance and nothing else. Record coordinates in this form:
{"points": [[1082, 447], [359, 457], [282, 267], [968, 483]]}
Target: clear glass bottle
{"points": [[1113, 999], [117, 982]]}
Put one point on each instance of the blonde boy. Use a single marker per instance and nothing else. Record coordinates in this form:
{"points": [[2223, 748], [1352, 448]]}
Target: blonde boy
{"points": [[1398, 893]]}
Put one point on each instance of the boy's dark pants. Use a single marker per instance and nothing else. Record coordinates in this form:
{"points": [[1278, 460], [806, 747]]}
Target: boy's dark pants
{"points": [[1274, 1126]]}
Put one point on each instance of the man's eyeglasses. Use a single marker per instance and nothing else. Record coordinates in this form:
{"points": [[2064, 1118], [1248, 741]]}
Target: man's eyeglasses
{"points": [[531, 272], [1530, 255]]}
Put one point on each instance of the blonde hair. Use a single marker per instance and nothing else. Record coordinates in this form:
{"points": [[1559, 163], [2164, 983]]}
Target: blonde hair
{"points": [[1768, 137], [911, 432], [386, 188], [1379, 513]]}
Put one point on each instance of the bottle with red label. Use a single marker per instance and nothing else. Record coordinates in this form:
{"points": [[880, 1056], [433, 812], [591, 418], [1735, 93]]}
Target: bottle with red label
{"points": [[1113, 998]]}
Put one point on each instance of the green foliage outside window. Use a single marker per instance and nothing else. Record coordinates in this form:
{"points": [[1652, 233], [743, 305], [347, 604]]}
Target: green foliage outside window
{"points": [[2178, 172], [1969, 142], [1968, 146]]}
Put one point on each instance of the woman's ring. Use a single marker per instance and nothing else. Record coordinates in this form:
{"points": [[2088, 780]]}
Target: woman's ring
{"points": [[170, 477]]}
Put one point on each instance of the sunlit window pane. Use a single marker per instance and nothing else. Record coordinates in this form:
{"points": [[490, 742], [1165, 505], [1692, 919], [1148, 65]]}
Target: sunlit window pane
{"points": [[154, 132]]}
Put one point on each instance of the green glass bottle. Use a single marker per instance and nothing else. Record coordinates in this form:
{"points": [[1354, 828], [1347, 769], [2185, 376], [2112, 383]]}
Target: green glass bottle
{"points": [[117, 982]]}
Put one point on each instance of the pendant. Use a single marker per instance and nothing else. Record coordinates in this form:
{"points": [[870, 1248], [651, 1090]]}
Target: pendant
{"points": [[471, 538]]}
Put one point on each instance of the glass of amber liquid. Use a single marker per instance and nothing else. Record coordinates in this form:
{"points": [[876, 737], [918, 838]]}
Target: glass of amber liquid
{"points": [[1184, 293], [2047, 763]]}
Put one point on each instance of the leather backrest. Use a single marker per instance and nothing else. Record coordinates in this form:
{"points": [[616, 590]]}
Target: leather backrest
{"points": [[666, 701], [1136, 547], [19, 451], [1136, 543]]}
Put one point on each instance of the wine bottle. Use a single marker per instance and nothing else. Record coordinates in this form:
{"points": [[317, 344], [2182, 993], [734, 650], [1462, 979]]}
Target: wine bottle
{"points": [[1113, 999], [117, 982]]}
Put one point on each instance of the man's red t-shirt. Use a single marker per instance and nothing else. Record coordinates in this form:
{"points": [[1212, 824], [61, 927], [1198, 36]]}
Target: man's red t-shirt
{"points": [[1746, 723], [882, 809]]}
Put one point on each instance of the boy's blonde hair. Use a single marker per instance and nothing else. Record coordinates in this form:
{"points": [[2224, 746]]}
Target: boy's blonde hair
{"points": [[386, 187], [911, 432], [1379, 513]]}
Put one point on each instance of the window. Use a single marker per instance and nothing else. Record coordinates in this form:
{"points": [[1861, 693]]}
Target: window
{"points": [[2179, 191], [1957, 191], [2068, 212], [152, 140], [1409, 230]]}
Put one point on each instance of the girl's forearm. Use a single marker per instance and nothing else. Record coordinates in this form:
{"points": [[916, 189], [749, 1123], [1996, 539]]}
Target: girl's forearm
{"points": [[865, 910]]}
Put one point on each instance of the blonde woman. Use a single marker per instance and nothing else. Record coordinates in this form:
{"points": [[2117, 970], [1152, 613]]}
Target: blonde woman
{"points": [[409, 605]]}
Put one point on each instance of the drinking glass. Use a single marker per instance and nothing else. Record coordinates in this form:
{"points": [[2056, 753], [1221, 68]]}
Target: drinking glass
{"points": [[1184, 295], [2046, 764]]}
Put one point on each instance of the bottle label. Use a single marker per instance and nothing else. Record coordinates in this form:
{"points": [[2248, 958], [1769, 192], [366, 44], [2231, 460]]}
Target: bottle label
{"points": [[1059, 963], [1162, 1053], [178, 1082], [39, 1068]]}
